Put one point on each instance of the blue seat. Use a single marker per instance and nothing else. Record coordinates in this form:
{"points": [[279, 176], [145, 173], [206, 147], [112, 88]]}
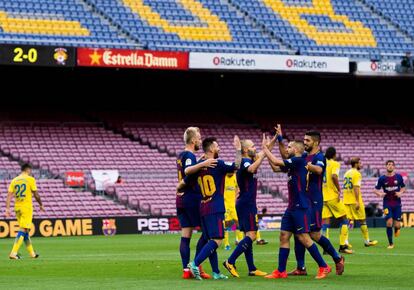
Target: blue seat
{"points": [[247, 36]]}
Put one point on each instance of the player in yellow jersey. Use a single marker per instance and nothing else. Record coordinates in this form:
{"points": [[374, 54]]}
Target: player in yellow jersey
{"points": [[231, 190], [332, 204], [22, 188], [354, 205]]}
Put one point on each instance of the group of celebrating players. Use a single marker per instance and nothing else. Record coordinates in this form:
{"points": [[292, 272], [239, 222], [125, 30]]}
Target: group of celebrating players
{"points": [[313, 198]]}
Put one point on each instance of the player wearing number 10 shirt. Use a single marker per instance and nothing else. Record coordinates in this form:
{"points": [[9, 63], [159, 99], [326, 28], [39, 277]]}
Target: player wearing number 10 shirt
{"points": [[211, 184]]}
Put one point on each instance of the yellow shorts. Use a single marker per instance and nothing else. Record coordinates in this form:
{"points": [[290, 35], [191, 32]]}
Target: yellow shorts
{"points": [[353, 214], [24, 217], [231, 214], [333, 208]]}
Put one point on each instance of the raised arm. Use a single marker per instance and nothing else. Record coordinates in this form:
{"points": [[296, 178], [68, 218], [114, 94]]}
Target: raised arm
{"points": [[272, 159], [237, 146], [256, 164], [282, 148], [275, 169]]}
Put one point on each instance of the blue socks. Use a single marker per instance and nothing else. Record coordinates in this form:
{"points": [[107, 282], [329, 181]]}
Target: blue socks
{"points": [[205, 252], [389, 235], [241, 248], [21, 234], [248, 254], [214, 262], [200, 244], [313, 250], [327, 246], [300, 254], [283, 257], [185, 251]]}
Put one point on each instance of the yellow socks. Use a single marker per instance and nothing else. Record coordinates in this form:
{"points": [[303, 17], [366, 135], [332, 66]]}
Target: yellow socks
{"points": [[343, 235], [226, 238], [365, 234], [29, 246], [18, 242], [258, 236], [239, 236]]}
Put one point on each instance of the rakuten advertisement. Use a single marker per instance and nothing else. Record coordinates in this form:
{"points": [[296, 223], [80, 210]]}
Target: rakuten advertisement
{"points": [[376, 67], [313, 64], [226, 61]]}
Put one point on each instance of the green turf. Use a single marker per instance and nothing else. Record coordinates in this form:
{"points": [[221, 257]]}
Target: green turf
{"points": [[153, 262]]}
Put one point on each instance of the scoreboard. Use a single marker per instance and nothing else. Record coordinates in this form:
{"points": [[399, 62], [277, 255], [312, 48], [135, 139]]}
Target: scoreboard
{"points": [[30, 55]]}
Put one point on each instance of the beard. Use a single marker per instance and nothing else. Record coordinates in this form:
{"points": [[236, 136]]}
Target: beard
{"points": [[216, 155], [252, 154], [196, 147], [308, 149], [389, 171]]}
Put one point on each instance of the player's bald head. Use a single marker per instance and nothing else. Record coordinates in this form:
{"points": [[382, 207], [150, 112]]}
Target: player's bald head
{"points": [[248, 148], [295, 147], [298, 145], [247, 143]]}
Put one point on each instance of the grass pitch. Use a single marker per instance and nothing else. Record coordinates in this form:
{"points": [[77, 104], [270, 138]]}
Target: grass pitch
{"points": [[153, 262]]}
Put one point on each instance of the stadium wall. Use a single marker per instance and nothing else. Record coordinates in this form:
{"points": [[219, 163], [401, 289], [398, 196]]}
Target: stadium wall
{"points": [[90, 88], [109, 226]]}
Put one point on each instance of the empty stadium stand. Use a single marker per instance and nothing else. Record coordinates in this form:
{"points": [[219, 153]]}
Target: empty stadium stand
{"points": [[350, 142], [60, 201], [144, 154], [66, 22], [329, 27], [203, 25], [359, 29]]}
